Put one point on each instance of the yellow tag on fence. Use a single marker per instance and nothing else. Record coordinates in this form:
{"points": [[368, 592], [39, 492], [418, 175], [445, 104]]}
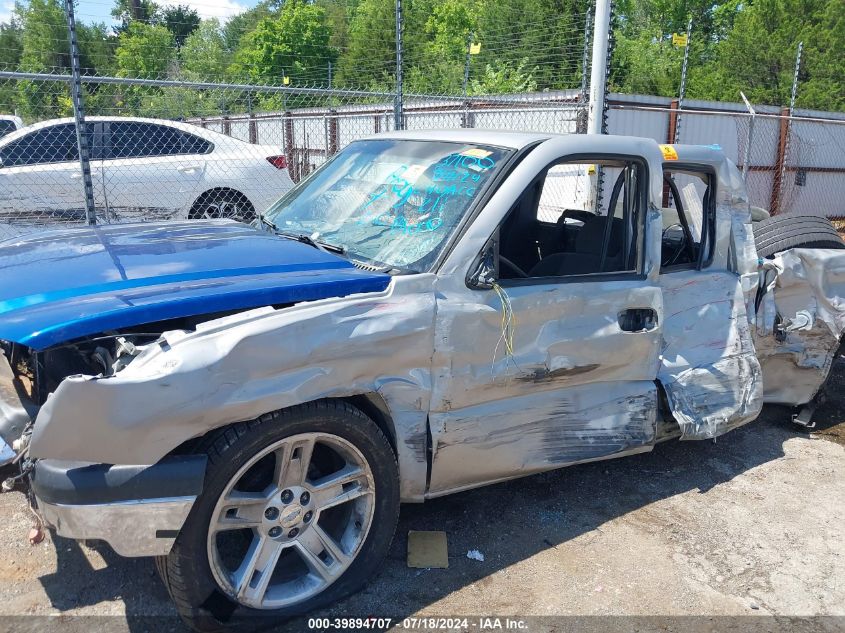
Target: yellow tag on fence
{"points": [[679, 40], [669, 152], [475, 48]]}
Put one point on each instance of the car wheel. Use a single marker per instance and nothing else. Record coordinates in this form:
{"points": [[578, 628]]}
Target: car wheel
{"points": [[223, 204], [298, 509], [783, 232]]}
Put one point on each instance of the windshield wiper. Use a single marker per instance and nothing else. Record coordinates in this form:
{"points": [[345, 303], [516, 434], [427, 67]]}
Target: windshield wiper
{"points": [[312, 241], [265, 222]]}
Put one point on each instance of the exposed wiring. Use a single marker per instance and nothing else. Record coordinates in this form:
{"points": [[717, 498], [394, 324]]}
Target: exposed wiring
{"points": [[508, 328]]}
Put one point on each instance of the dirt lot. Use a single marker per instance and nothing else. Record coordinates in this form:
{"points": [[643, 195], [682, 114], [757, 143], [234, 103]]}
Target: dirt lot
{"points": [[748, 525]]}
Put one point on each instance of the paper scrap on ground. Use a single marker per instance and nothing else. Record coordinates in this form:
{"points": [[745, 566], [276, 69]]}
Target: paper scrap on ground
{"points": [[474, 554], [427, 550]]}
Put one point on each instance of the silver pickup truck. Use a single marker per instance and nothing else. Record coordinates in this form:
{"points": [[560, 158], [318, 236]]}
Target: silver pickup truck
{"points": [[428, 312]]}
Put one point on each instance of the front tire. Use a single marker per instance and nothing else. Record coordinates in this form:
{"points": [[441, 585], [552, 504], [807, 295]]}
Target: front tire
{"points": [[298, 510], [223, 204]]}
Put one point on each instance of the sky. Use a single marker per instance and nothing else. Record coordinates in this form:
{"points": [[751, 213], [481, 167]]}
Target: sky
{"points": [[100, 10]]}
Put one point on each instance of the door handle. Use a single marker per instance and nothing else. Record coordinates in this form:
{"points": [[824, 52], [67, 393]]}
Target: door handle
{"points": [[188, 169], [638, 320]]}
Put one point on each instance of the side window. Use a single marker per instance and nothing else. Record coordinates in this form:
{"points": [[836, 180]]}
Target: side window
{"points": [[560, 227], [131, 139], [195, 145], [6, 127], [688, 219], [55, 144]]}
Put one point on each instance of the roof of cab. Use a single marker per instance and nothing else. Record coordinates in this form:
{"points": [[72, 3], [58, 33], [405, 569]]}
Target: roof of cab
{"points": [[499, 138]]}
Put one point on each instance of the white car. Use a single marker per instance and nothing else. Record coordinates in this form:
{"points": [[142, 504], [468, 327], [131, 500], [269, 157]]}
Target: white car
{"points": [[9, 123], [141, 169]]}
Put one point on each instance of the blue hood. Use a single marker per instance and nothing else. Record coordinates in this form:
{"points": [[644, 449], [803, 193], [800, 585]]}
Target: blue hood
{"points": [[60, 285]]}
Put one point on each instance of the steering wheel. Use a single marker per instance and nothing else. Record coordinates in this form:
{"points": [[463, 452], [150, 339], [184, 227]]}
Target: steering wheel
{"points": [[680, 247], [519, 272], [688, 244]]}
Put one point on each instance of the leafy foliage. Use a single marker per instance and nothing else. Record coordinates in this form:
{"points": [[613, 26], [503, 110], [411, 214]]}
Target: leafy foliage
{"points": [[525, 45]]}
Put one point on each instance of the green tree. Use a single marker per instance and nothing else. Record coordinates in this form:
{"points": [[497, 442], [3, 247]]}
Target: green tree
{"points": [[758, 55], [44, 42], [238, 26], [145, 51], [11, 44], [97, 47], [123, 12], [294, 44], [504, 78], [370, 58], [443, 54], [204, 55], [181, 20], [44, 48]]}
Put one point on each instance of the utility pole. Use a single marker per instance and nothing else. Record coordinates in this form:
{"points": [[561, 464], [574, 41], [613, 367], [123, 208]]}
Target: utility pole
{"points": [[79, 116], [598, 75], [398, 119]]}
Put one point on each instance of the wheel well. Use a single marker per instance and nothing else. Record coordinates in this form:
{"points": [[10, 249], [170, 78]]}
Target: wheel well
{"points": [[374, 407], [217, 191], [370, 404]]}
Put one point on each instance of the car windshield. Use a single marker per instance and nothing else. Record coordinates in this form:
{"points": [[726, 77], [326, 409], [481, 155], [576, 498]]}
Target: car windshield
{"points": [[389, 202]]}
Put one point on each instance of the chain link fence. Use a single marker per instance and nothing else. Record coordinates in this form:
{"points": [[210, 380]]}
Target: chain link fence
{"points": [[180, 146], [162, 149], [791, 164]]}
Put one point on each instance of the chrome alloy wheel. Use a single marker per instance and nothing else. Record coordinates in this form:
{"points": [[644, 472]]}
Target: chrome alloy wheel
{"points": [[291, 521]]}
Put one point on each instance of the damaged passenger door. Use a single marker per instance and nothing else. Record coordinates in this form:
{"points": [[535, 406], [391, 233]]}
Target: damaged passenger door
{"points": [[709, 366], [546, 350]]}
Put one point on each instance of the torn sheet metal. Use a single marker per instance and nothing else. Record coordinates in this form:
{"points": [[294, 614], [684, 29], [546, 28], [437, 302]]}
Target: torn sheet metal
{"points": [[243, 366], [800, 322], [536, 432], [709, 367], [575, 386]]}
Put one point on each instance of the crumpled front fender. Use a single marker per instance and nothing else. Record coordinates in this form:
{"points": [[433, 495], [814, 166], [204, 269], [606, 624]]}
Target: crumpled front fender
{"points": [[243, 366]]}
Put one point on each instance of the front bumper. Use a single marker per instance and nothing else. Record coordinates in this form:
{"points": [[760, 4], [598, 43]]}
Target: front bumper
{"points": [[137, 510]]}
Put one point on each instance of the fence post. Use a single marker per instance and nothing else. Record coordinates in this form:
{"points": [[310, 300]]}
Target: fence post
{"points": [[586, 55], [333, 133], [671, 134], [467, 117], [289, 150], [780, 162], [253, 129], [746, 158], [683, 89], [398, 120], [79, 116]]}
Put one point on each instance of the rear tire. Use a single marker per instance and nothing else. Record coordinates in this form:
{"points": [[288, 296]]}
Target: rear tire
{"points": [[783, 232], [223, 204], [211, 596]]}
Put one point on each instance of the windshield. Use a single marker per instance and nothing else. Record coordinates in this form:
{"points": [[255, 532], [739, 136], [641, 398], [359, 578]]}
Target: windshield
{"points": [[389, 202]]}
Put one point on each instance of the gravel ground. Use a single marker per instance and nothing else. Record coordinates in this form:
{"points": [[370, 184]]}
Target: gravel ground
{"points": [[746, 525]]}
